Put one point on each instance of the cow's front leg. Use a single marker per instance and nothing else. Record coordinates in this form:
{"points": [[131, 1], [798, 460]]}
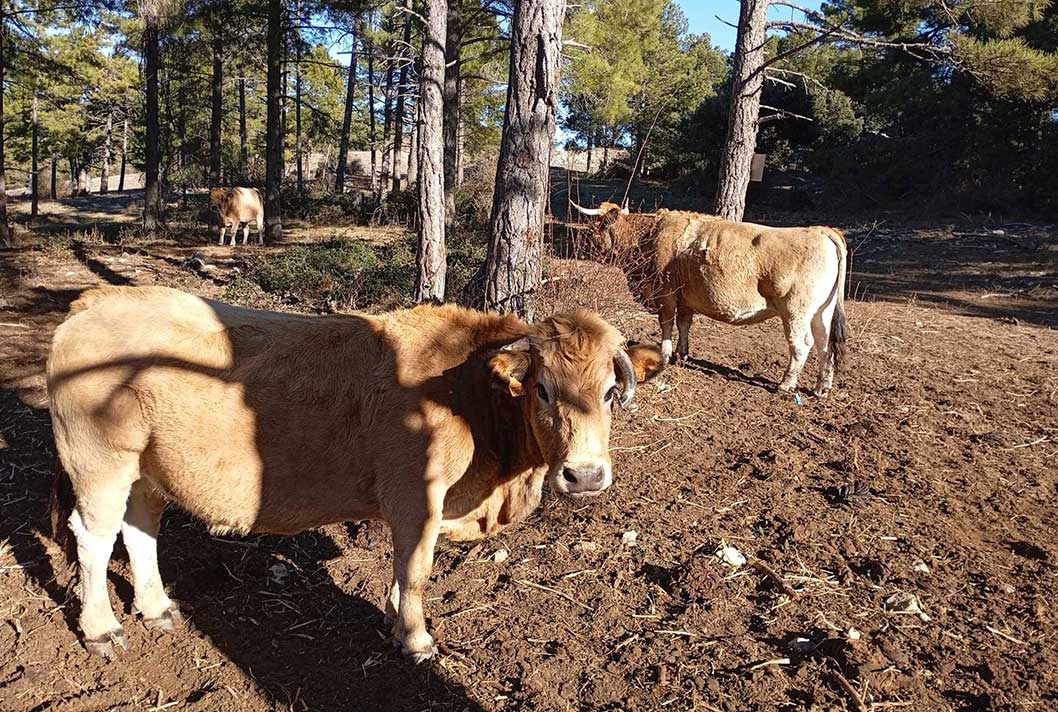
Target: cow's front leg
{"points": [[223, 229], [414, 538], [684, 319]]}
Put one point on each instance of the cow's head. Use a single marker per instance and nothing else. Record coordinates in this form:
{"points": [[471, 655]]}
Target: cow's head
{"points": [[217, 196], [609, 227], [569, 373]]}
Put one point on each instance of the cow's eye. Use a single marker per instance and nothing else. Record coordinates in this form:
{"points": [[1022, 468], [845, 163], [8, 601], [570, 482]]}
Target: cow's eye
{"points": [[541, 392], [608, 398]]}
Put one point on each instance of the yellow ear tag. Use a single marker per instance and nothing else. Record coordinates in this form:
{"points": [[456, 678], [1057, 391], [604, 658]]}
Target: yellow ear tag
{"points": [[515, 387]]}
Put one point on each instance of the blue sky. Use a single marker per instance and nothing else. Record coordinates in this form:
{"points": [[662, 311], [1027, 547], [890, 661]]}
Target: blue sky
{"points": [[701, 16]]}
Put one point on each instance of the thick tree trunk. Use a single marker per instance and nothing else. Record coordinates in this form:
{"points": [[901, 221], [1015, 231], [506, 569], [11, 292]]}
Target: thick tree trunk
{"points": [[216, 108], [274, 124], [430, 256], [54, 178], [124, 152], [5, 229], [347, 117], [152, 199], [34, 177], [520, 201], [104, 175], [244, 136], [372, 124], [299, 161], [402, 90], [453, 41], [747, 80]]}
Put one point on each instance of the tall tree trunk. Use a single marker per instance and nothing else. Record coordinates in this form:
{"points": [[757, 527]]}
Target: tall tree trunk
{"points": [[453, 41], [34, 178], [372, 123], [54, 178], [387, 122], [299, 161], [244, 137], [104, 175], [520, 200], [5, 229], [274, 124], [747, 80], [591, 147], [413, 146], [430, 256], [124, 152], [402, 84], [152, 197], [216, 108], [347, 117]]}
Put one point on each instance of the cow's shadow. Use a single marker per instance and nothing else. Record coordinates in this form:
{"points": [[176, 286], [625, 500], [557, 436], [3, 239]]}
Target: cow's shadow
{"points": [[731, 374]]}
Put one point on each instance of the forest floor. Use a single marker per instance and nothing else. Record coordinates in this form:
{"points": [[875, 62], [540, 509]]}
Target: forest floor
{"points": [[929, 475]]}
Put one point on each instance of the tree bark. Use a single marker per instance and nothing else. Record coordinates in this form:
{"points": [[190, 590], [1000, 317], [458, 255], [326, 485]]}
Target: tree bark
{"points": [[34, 178], [244, 137], [747, 81], [124, 153], [591, 147], [372, 125], [453, 41], [54, 178], [274, 124], [152, 199], [347, 118], [387, 121], [430, 257], [299, 161], [398, 115], [104, 175], [216, 108], [5, 229], [520, 200]]}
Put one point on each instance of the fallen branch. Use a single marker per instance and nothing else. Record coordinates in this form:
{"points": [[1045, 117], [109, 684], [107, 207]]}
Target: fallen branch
{"points": [[846, 686], [555, 591], [775, 577]]}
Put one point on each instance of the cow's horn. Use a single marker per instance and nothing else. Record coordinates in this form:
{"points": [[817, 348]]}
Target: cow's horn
{"points": [[521, 344], [627, 376], [624, 207], [593, 212]]}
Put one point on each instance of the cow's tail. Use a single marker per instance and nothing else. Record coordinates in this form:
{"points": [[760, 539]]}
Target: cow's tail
{"points": [[838, 331], [60, 509]]}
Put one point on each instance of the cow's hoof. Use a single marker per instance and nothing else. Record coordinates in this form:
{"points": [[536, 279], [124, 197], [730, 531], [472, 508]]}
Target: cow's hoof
{"points": [[171, 619], [103, 645], [821, 392], [420, 656]]}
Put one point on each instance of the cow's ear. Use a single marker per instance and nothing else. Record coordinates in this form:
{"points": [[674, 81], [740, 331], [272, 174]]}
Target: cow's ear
{"points": [[508, 367], [647, 361]]}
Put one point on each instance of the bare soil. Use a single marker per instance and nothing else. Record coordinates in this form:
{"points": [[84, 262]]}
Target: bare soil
{"points": [[931, 471]]}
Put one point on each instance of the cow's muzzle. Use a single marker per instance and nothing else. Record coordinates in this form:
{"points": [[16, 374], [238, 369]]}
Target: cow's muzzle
{"points": [[582, 479]]}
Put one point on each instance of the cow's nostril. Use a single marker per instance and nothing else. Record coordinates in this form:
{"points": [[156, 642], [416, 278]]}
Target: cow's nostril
{"points": [[569, 475]]}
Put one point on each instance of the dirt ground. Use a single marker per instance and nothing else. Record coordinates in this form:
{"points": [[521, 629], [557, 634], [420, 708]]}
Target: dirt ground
{"points": [[931, 472]]}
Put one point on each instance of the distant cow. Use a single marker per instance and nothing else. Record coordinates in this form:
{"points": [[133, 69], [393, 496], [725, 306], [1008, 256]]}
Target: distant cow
{"points": [[237, 206], [738, 273], [437, 420]]}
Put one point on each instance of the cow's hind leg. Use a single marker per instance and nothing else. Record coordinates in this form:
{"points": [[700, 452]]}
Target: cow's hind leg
{"points": [[799, 338], [684, 319], [821, 332], [414, 539], [667, 317], [101, 500], [139, 531], [246, 233]]}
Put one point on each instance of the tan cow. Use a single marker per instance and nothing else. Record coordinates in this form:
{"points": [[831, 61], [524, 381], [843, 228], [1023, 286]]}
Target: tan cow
{"points": [[739, 273], [437, 420], [237, 206]]}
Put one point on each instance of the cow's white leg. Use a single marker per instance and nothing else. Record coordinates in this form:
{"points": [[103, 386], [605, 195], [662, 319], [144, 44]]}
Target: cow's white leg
{"points": [[684, 319], [821, 333], [667, 317], [246, 233], [95, 522], [139, 531], [413, 546], [223, 229], [799, 338]]}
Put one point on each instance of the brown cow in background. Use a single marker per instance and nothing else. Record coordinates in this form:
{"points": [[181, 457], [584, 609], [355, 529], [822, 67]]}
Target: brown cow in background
{"points": [[436, 420], [687, 263], [237, 206]]}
